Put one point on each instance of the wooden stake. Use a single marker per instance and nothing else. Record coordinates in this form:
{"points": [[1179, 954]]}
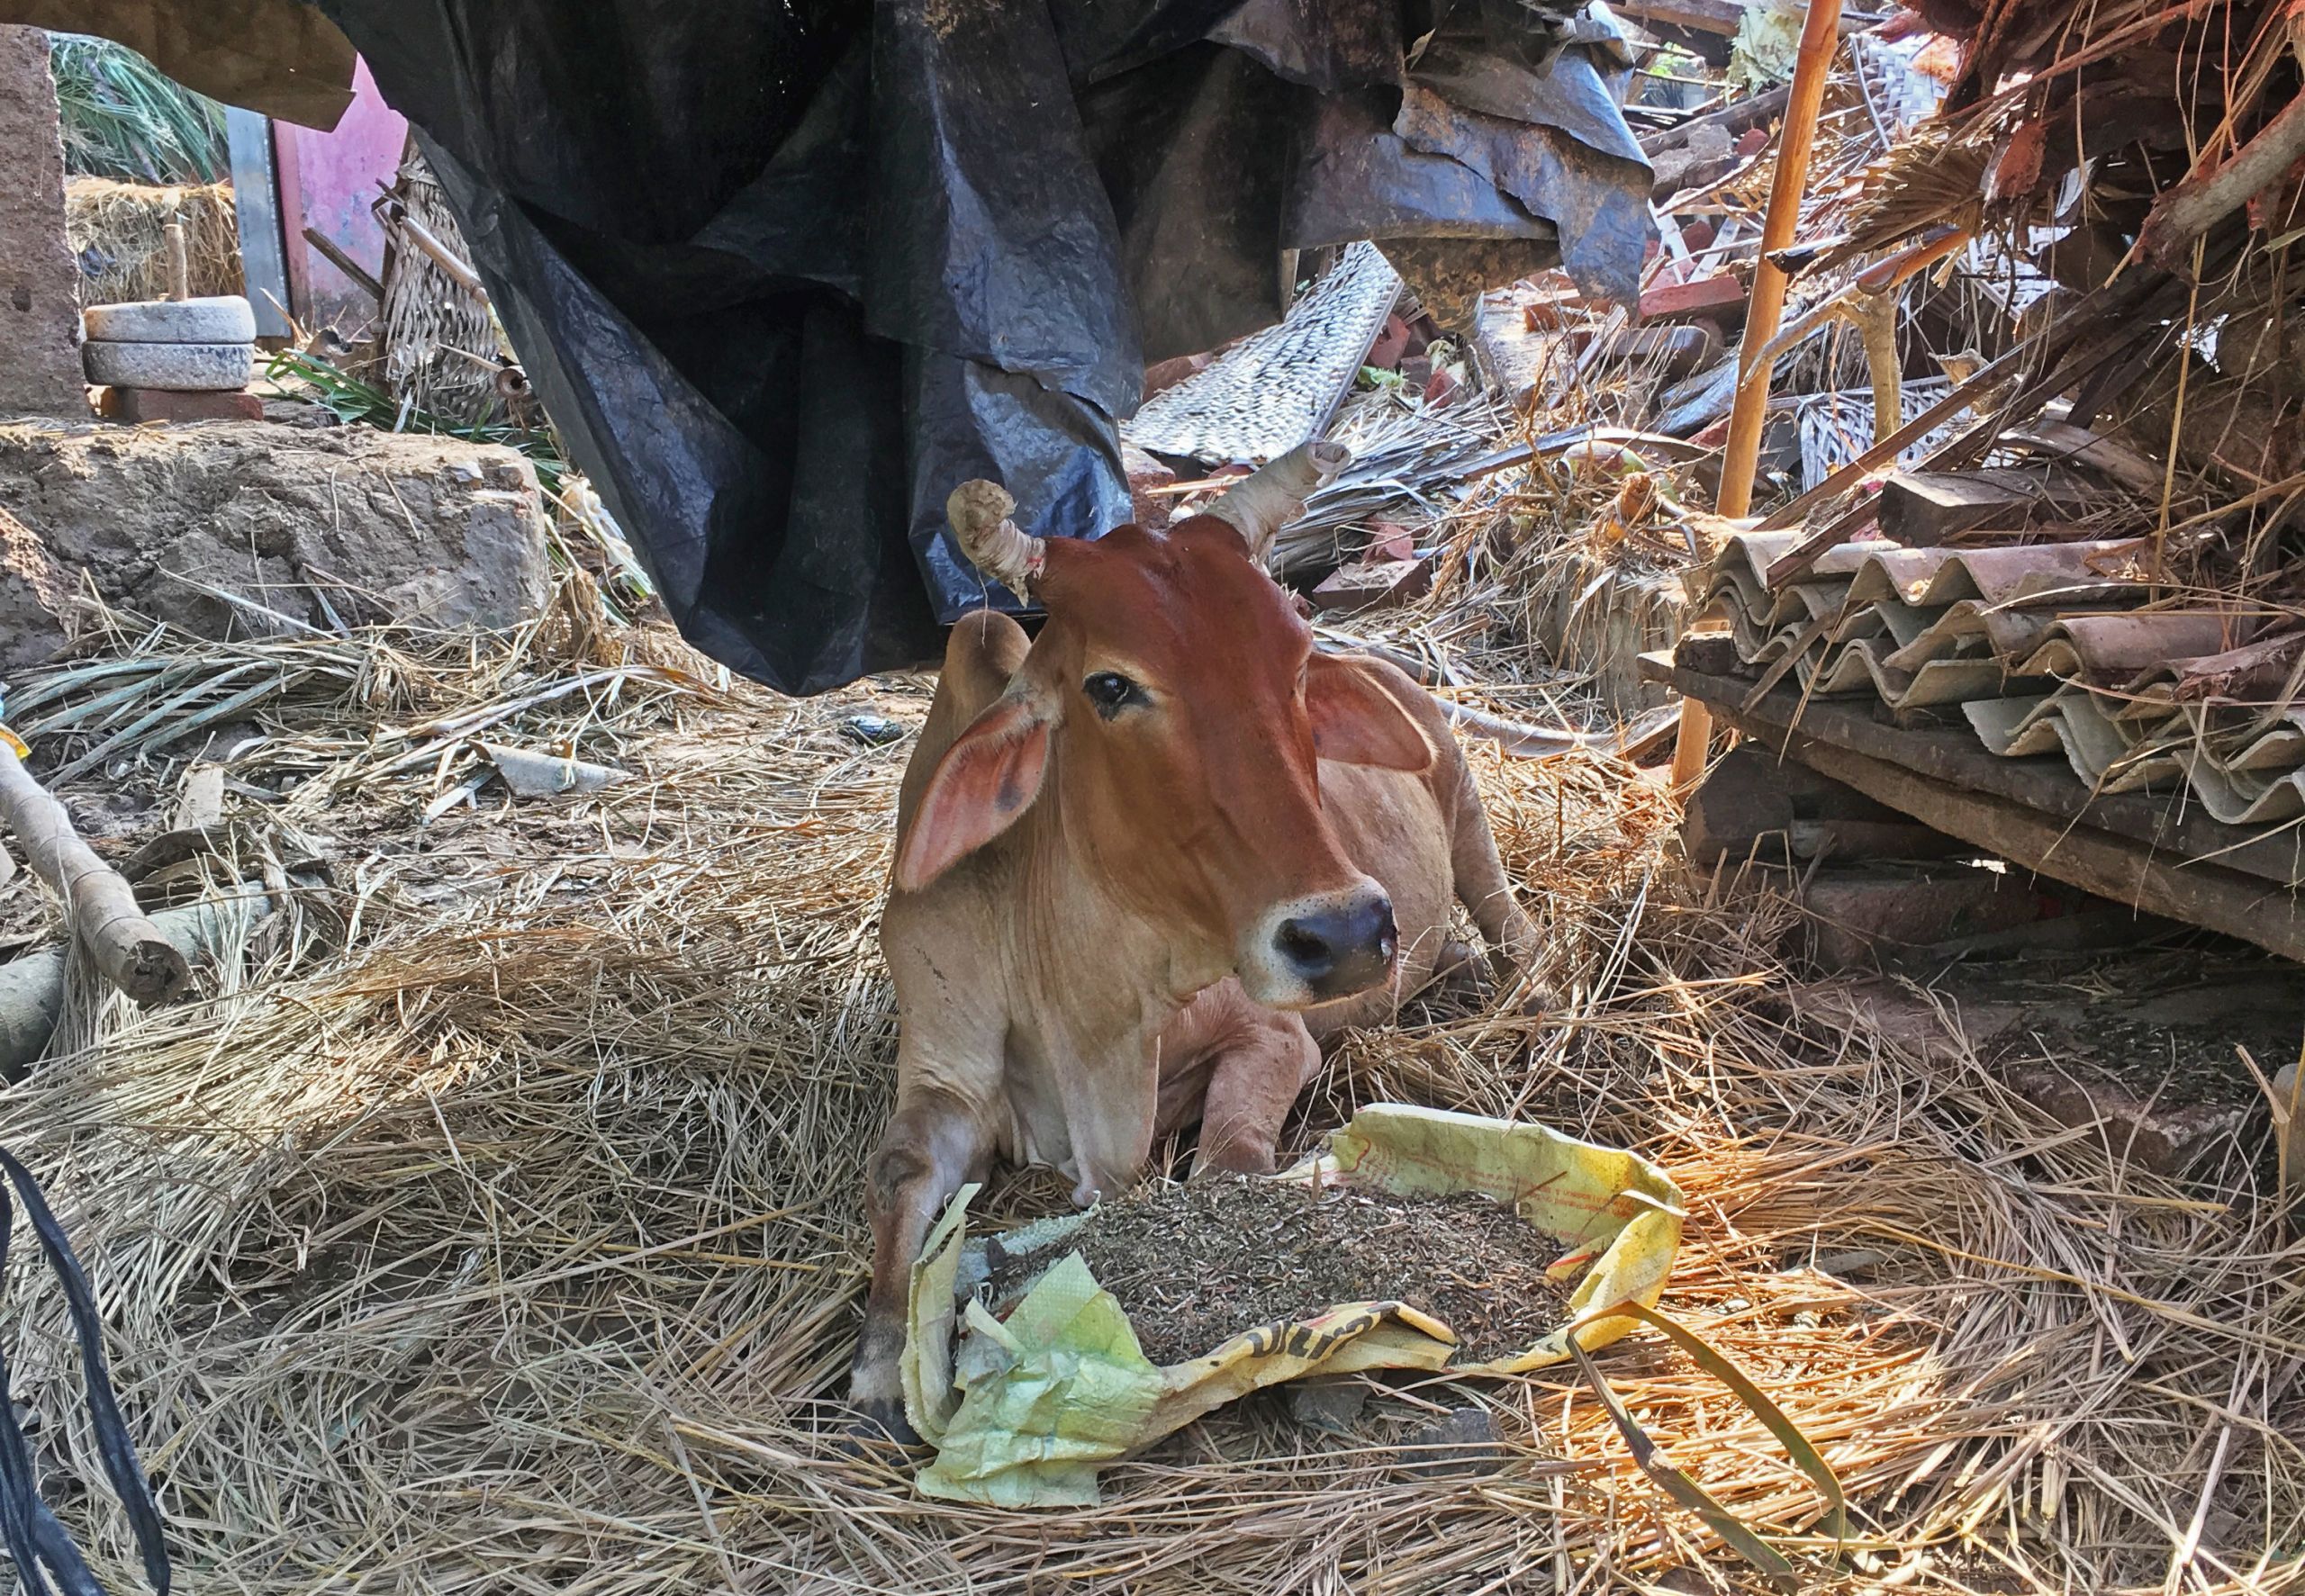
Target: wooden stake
{"points": [[129, 949], [1819, 37], [1875, 315], [179, 268]]}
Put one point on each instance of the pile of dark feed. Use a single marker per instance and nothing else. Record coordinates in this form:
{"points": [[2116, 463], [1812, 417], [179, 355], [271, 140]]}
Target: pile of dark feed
{"points": [[1196, 1264]]}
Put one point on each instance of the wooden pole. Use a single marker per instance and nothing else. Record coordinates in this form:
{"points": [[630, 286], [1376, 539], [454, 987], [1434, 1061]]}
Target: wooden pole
{"points": [[129, 949], [179, 267], [1819, 37]]}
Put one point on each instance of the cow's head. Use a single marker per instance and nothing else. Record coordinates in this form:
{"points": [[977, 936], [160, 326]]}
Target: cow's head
{"points": [[1172, 710]]}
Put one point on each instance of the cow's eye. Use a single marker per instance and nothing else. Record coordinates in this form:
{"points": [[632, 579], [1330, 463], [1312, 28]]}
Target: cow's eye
{"points": [[1108, 690]]}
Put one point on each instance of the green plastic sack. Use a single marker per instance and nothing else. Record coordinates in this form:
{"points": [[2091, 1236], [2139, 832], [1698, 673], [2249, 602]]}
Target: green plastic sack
{"points": [[1024, 1412]]}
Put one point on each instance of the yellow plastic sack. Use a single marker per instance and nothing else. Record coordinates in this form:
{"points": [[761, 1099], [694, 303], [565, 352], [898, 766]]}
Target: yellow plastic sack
{"points": [[1024, 1412]]}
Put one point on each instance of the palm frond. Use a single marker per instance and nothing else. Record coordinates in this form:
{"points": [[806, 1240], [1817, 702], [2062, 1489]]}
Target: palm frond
{"points": [[125, 119]]}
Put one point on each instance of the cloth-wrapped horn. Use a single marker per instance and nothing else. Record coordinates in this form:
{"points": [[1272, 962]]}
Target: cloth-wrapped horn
{"points": [[978, 511], [1273, 495]]}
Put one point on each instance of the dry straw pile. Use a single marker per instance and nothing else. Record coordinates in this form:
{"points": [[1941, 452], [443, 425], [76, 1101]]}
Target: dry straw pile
{"points": [[119, 231], [497, 1227]]}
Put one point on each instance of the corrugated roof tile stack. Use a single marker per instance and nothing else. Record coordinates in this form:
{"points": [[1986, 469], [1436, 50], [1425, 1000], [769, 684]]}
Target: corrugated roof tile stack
{"points": [[2044, 650]]}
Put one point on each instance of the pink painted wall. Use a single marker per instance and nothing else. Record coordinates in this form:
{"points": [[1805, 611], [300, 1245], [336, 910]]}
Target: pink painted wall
{"points": [[328, 181]]}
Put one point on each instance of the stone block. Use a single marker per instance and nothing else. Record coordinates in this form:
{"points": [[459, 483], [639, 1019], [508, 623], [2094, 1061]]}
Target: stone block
{"points": [[39, 281], [2154, 1075], [1458, 1444], [2165, 1137], [406, 526]]}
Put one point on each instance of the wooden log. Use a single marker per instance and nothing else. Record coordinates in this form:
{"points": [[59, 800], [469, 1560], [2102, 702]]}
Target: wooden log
{"points": [[344, 263], [1702, 16], [1811, 65], [1523, 741], [2205, 196], [1875, 315], [31, 987], [126, 946], [396, 214]]}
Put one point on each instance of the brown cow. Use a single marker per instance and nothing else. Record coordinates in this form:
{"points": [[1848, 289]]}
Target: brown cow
{"points": [[1144, 863]]}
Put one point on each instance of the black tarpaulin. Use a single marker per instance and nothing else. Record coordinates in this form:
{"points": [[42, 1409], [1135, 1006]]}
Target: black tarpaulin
{"points": [[785, 273]]}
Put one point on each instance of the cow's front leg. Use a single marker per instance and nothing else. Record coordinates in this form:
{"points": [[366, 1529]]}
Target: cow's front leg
{"points": [[1259, 1067], [937, 1140]]}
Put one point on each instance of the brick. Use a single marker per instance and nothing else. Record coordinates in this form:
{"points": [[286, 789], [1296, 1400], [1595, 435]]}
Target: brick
{"points": [[2167, 1138], [1392, 542], [1860, 915], [162, 404], [1392, 343], [1721, 292], [1167, 374], [1150, 510], [39, 281], [1358, 588]]}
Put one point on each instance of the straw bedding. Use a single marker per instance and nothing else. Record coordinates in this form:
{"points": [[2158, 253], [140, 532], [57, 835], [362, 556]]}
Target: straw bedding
{"points": [[500, 1230]]}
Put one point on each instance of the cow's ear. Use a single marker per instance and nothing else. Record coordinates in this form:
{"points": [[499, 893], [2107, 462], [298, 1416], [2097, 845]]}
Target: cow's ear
{"points": [[1356, 721], [988, 778]]}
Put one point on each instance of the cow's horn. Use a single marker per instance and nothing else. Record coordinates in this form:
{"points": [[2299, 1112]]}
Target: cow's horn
{"points": [[1267, 500], [978, 511]]}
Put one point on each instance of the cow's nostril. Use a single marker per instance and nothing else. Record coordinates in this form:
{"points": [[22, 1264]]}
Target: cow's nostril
{"points": [[1340, 949], [1302, 943]]}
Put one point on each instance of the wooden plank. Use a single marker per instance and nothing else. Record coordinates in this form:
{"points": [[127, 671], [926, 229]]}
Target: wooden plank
{"points": [[2165, 823], [1923, 509], [1721, 292], [1704, 16], [1731, 119], [2223, 900], [1718, 16]]}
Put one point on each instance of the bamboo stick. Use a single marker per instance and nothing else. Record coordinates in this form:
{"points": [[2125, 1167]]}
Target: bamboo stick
{"points": [[32, 984], [129, 949], [1818, 41], [1819, 38]]}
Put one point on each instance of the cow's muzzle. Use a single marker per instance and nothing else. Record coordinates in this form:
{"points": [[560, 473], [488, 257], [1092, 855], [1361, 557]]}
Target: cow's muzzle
{"points": [[1321, 949]]}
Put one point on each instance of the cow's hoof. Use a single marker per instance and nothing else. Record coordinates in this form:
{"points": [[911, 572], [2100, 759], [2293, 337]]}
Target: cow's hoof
{"points": [[879, 1430]]}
